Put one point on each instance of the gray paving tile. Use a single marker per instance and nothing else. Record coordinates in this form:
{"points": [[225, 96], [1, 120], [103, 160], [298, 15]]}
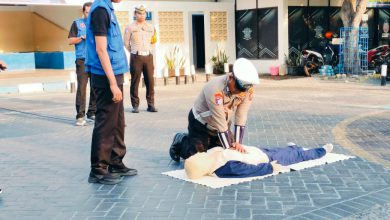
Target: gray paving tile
{"points": [[58, 170]]}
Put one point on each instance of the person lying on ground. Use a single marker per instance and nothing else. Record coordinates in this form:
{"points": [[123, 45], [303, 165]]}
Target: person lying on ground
{"points": [[230, 163]]}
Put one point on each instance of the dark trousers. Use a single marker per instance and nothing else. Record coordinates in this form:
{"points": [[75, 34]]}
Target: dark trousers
{"points": [[108, 146], [199, 138], [138, 65], [82, 82], [293, 154]]}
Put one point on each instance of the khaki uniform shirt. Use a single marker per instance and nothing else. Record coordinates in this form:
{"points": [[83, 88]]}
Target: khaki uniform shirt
{"points": [[138, 37], [215, 105]]}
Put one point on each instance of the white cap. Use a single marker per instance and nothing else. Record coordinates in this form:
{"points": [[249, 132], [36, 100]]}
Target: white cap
{"points": [[140, 8], [245, 71]]}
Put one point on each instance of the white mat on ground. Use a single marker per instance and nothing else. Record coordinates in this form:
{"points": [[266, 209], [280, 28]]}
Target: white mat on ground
{"points": [[215, 182]]}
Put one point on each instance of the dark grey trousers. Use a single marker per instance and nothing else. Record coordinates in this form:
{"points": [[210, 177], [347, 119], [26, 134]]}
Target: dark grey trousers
{"points": [[81, 94]]}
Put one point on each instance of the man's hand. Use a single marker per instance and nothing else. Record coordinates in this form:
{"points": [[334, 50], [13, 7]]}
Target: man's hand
{"points": [[116, 93], [279, 168], [238, 147]]}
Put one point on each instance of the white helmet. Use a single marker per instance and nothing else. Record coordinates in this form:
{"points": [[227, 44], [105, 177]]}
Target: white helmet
{"points": [[245, 73]]}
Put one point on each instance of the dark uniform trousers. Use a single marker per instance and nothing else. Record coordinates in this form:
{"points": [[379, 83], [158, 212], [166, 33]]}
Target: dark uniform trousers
{"points": [[108, 146], [141, 64], [199, 138], [81, 94]]}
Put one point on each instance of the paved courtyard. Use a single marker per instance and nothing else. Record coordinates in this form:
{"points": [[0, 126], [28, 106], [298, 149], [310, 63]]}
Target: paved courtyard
{"points": [[44, 158]]}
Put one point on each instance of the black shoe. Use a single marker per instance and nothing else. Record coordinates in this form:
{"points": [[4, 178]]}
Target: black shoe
{"points": [[122, 171], [91, 117], [107, 179], [174, 150], [151, 109], [135, 110]]}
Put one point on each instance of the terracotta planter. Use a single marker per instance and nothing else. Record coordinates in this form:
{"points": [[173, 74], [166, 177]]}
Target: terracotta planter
{"points": [[171, 72]]}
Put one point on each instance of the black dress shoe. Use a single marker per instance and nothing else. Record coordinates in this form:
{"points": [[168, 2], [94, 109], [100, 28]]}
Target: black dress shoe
{"points": [[135, 110], [174, 150], [107, 178], [151, 109], [122, 171], [91, 117]]}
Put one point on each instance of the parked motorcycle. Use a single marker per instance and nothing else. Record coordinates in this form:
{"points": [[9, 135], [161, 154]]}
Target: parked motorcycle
{"points": [[379, 56], [312, 60]]}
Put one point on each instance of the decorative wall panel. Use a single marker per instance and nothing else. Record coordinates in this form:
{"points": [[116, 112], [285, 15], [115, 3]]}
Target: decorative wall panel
{"points": [[218, 26], [171, 27]]}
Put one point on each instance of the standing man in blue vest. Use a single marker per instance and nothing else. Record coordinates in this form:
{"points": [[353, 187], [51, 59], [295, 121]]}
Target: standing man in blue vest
{"points": [[76, 37], [106, 61]]}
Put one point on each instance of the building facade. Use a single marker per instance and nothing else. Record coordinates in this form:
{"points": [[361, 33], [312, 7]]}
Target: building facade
{"points": [[268, 32], [264, 31]]}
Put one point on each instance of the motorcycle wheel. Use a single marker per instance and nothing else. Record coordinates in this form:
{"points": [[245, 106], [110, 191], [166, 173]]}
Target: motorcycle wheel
{"points": [[307, 70]]}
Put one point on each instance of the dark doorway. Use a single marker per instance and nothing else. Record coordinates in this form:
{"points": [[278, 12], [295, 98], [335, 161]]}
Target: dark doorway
{"points": [[198, 40]]}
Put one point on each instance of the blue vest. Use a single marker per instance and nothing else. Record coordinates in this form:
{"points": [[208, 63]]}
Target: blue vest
{"points": [[115, 48], [81, 31]]}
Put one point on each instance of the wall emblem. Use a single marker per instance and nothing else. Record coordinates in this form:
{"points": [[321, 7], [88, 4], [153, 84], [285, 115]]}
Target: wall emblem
{"points": [[247, 33]]}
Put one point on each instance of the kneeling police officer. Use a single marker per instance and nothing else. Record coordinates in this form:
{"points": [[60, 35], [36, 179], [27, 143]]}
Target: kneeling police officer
{"points": [[209, 120]]}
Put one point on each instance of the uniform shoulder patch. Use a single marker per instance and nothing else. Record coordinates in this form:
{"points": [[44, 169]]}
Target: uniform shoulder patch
{"points": [[218, 98], [251, 91]]}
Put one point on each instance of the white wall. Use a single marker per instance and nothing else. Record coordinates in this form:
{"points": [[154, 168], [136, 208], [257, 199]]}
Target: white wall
{"points": [[15, 8], [337, 3], [63, 16], [263, 66], [246, 4], [188, 8], [315, 2], [304, 3]]}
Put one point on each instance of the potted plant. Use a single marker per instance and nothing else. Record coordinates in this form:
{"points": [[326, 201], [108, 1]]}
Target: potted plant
{"points": [[293, 64], [175, 59], [182, 62], [170, 61], [219, 60]]}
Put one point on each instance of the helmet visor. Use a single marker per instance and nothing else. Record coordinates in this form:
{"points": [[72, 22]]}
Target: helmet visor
{"points": [[242, 87]]}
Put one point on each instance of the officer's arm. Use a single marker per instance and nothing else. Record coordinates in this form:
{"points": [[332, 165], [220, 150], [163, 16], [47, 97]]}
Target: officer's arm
{"points": [[218, 115], [72, 37], [241, 117], [126, 38], [74, 40]]}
